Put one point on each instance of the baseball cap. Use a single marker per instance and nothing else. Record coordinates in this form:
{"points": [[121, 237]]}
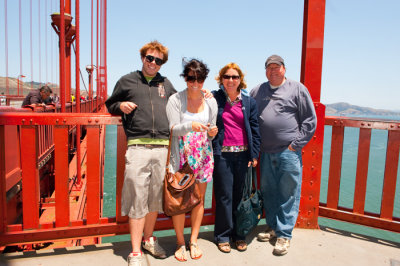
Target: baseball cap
{"points": [[275, 59]]}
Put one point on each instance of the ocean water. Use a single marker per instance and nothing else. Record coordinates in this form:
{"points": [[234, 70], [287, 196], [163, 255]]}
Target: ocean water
{"points": [[349, 163]]}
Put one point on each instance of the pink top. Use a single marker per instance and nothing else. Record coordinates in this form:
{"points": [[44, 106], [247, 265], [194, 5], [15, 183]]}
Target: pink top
{"points": [[235, 133]]}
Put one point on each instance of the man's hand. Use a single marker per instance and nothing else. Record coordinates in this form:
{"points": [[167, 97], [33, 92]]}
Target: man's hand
{"points": [[291, 148], [127, 107]]}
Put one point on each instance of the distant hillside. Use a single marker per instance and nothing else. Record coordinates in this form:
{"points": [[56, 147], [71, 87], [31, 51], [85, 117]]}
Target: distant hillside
{"points": [[24, 87], [344, 109]]}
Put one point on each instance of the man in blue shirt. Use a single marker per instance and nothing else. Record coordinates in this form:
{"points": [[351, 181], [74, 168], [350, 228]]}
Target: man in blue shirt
{"points": [[287, 122]]}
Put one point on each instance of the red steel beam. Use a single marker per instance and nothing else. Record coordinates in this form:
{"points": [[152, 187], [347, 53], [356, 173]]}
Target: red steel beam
{"points": [[93, 172], [368, 219], [3, 199], [362, 170], [389, 183], [121, 150], [360, 122], [30, 177], [335, 166], [61, 176], [312, 159], [313, 44], [78, 229], [71, 119], [311, 72]]}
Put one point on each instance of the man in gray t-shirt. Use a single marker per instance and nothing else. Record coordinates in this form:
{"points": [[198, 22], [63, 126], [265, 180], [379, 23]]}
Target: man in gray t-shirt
{"points": [[287, 122]]}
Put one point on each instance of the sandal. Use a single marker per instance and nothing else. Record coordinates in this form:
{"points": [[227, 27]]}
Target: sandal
{"points": [[241, 245], [224, 247], [195, 251], [180, 253]]}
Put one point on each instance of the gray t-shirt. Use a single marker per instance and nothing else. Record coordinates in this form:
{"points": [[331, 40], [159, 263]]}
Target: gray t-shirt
{"points": [[286, 115]]}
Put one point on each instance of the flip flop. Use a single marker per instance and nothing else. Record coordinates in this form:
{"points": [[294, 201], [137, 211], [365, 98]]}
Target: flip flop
{"points": [[195, 251], [180, 253], [224, 247], [241, 245]]}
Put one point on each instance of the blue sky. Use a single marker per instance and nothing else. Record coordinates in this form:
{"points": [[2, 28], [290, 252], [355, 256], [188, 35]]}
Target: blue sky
{"points": [[361, 46]]}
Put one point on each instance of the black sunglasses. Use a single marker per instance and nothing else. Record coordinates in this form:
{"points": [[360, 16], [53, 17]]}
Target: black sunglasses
{"points": [[150, 58], [234, 77], [194, 78]]}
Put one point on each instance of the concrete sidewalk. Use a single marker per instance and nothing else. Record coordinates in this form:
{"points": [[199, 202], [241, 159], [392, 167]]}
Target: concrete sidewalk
{"points": [[308, 247]]}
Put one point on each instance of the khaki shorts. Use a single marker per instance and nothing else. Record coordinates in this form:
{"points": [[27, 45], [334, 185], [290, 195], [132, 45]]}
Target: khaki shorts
{"points": [[142, 191]]}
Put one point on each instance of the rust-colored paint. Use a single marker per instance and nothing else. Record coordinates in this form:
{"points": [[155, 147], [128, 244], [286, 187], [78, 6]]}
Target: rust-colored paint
{"points": [[389, 182], [335, 166], [61, 176], [3, 199], [121, 150], [30, 177], [362, 170], [93, 175]]}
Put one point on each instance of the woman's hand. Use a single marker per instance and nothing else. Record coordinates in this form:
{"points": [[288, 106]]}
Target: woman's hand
{"points": [[198, 127], [212, 131], [254, 163]]}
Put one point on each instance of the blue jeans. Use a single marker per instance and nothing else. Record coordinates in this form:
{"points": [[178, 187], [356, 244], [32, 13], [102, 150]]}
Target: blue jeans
{"points": [[230, 170], [281, 188]]}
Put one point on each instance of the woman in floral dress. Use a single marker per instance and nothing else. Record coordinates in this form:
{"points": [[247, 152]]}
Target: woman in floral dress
{"points": [[193, 118]]}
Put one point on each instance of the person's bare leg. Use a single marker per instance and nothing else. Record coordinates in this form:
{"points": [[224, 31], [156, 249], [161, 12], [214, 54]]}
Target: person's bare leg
{"points": [[136, 230], [150, 222], [179, 225], [197, 214]]}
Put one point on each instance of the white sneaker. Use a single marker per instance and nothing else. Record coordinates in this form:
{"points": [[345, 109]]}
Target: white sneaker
{"points": [[266, 235], [281, 246], [153, 248], [134, 260]]}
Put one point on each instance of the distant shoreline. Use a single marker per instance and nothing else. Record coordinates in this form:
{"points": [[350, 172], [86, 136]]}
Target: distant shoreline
{"points": [[346, 109]]}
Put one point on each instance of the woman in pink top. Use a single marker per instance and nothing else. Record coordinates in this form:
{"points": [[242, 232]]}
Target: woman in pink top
{"points": [[236, 148]]}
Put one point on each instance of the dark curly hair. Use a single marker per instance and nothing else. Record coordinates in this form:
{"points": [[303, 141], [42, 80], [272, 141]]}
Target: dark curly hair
{"points": [[198, 67]]}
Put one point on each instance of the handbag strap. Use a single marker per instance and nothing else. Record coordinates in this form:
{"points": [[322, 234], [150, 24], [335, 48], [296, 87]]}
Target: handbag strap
{"points": [[251, 178], [169, 147]]}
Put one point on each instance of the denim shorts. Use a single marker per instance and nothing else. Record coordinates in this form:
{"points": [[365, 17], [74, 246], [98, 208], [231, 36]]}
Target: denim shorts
{"points": [[142, 191]]}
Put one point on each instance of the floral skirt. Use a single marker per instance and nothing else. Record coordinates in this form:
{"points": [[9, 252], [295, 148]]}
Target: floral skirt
{"points": [[195, 148]]}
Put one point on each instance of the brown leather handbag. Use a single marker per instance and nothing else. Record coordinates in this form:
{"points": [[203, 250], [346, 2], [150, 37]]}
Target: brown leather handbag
{"points": [[181, 194]]}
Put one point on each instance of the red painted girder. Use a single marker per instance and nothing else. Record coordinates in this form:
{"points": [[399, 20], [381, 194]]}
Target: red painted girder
{"points": [[310, 188], [61, 176], [362, 123], [368, 219], [335, 166], [121, 150], [389, 182], [93, 173], [79, 229], [30, 177], [58, 119], [362, 170], [3, 199], [312, 47]]}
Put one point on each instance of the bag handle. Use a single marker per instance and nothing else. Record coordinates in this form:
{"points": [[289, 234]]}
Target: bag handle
{"points": [[248, 182], [169, 147]]}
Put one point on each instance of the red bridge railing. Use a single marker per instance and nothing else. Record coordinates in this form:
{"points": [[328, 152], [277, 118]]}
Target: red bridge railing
{"points": [[386, 218], [65, 226]]}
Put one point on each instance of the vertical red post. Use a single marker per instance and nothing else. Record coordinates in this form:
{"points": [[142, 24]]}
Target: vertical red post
{"points": [[77, 91], [30, 178], [3, 198], [62, 175], [121, 150], [62, 57], [311, 71], [93, 174], [389, 182]]}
